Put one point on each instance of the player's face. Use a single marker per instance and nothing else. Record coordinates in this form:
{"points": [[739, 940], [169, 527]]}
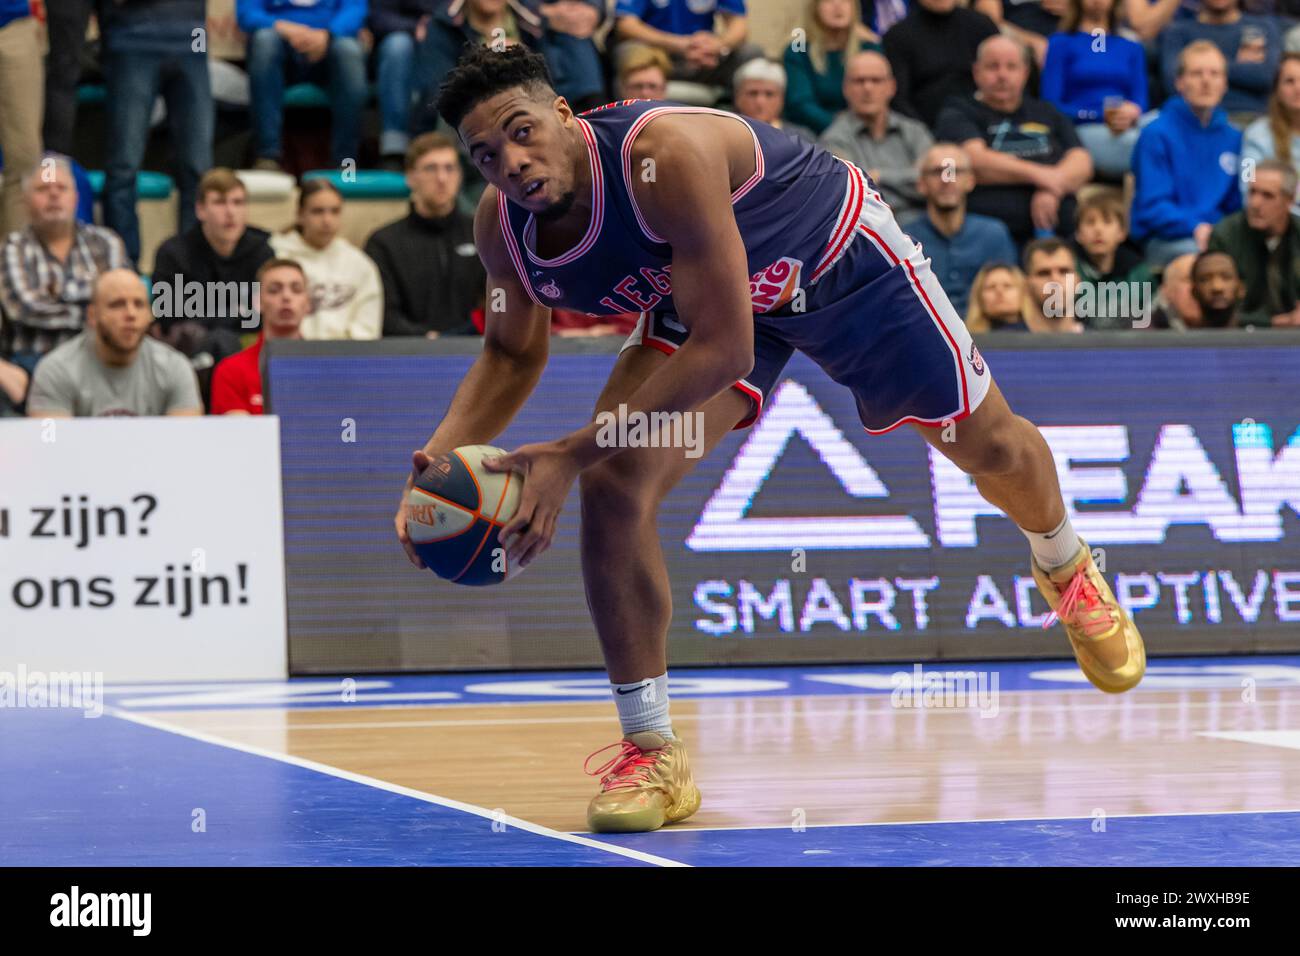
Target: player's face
{"points": [[284, 300], [522, 147]]}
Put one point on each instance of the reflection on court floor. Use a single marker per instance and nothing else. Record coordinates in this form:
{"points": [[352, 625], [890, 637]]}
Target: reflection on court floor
{"points": [[945, 764]]}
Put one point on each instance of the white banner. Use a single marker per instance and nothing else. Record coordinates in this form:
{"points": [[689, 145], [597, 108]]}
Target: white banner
{"points": [[145, 549]]}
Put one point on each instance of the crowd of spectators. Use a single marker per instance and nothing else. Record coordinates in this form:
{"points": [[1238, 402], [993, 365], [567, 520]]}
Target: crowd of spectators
{"points": [[1065, 166]]}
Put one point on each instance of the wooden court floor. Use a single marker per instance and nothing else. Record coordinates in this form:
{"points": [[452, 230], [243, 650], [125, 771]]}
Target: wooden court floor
{"points": [[827, 759]]}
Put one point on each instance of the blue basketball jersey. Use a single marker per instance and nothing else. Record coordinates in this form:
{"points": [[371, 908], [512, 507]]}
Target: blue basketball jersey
{"points": [[796, 215]]}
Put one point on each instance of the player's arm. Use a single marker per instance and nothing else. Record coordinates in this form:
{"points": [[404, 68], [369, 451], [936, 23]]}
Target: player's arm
{"points": [[516, 344], [688, 202]]}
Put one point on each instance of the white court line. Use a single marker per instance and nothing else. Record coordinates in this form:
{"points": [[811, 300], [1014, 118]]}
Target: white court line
{"points": [[1271, 738], [470, 808], [603, 717], [679, 828]]}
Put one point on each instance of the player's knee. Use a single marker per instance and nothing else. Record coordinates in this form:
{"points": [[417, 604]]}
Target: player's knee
{"points": [[612, 488], [1000, 452]]}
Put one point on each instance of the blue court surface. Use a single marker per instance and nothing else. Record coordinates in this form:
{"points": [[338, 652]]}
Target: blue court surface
{"points": [[126, 788]]}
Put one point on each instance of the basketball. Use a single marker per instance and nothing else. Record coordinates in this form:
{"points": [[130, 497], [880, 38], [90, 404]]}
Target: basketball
{"points": [[454, 512]]}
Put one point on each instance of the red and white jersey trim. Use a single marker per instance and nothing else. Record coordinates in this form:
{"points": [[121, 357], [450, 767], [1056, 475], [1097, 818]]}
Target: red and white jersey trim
{"points": [[640, 124]]}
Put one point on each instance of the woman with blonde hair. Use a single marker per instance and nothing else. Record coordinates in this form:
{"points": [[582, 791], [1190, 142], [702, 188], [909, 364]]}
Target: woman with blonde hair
{"points": [[830, 33], [999, 300], [1276, 135]]}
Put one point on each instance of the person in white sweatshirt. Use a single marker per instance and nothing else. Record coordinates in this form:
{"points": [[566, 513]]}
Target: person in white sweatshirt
{"points": [[347, 293]]}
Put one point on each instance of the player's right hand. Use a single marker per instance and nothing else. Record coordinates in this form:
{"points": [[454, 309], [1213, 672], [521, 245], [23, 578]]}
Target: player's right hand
{"points": [[419, 462]]}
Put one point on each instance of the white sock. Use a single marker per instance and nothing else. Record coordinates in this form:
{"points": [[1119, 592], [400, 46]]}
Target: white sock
{"points": [[643, 705], [1056, 548]]}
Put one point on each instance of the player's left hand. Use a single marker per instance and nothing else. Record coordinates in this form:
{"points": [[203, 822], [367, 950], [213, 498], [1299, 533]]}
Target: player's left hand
{"points": [[548, 473]]}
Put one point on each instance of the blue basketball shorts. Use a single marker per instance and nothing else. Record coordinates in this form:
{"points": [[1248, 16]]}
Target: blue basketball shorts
{"points": [[876, 321]]}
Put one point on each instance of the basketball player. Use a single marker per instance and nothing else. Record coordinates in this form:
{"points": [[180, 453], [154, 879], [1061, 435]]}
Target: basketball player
{"points": [[737, 244]]}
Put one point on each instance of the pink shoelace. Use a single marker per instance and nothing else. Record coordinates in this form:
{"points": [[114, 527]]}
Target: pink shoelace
{"points": [[1080, 604], [626, 769]]}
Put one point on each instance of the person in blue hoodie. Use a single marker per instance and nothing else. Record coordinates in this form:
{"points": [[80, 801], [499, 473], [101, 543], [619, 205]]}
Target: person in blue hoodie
{"points": [[1186, 161], [304, 40]]}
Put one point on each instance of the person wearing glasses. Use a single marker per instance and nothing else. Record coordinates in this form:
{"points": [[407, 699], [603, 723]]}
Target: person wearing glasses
{"points": [[958, 242]]}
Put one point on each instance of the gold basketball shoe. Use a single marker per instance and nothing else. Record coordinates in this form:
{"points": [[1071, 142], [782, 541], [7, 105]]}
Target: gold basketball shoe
{"points": [[1106, 642], [646, 784]]}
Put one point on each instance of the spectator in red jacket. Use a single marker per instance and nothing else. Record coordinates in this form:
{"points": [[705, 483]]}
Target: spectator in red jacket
{"points": [[284, 301]]}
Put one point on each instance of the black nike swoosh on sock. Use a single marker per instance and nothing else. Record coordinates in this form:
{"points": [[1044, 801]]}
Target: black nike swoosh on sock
{"points": [[619, 690]]}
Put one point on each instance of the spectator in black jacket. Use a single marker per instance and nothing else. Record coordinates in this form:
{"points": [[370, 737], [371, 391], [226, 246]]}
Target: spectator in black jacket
{"points": [[433, 279], [203, 295], [931, 52]]}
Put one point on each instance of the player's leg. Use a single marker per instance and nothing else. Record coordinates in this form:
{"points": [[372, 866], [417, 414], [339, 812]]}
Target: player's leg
{"points": [[647, 782], [623, 564], [1013, 468]]}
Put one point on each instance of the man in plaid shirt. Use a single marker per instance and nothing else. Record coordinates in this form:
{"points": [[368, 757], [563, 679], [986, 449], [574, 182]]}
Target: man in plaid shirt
{"points": [[47, 270]]}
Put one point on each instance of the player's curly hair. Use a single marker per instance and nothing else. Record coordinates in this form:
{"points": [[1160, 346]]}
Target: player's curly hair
{"points": [[483, 73]]}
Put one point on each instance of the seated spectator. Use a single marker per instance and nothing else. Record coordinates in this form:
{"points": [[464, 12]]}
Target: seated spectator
{"points": [[148, 50], [561, 31], [999, 300], [48, 269], [932, 52], [398, 28], [22, 102], [114, 367], [1052, 280], [956, 242], [283, 303], [814, 61], [431, 271], [644, 75], [1276, 135], [1264, 242], [886, 144], [1250, 45], [1176, 307], [1099, 80], [347, 294], [299, 41], [1110, 272], [760, 95], [221, 253], [1216, 286], [221, 247], [13, 389], [1027, 157], [684, 29], [1185, 161]]}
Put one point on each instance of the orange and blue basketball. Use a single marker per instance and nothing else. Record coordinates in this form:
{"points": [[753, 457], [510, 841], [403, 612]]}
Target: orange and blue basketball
{"points": [[454, 511]]}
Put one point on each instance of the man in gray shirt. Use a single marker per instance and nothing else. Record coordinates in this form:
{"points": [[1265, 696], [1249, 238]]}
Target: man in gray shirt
{"points": [[883, 143], [114, 367]]}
